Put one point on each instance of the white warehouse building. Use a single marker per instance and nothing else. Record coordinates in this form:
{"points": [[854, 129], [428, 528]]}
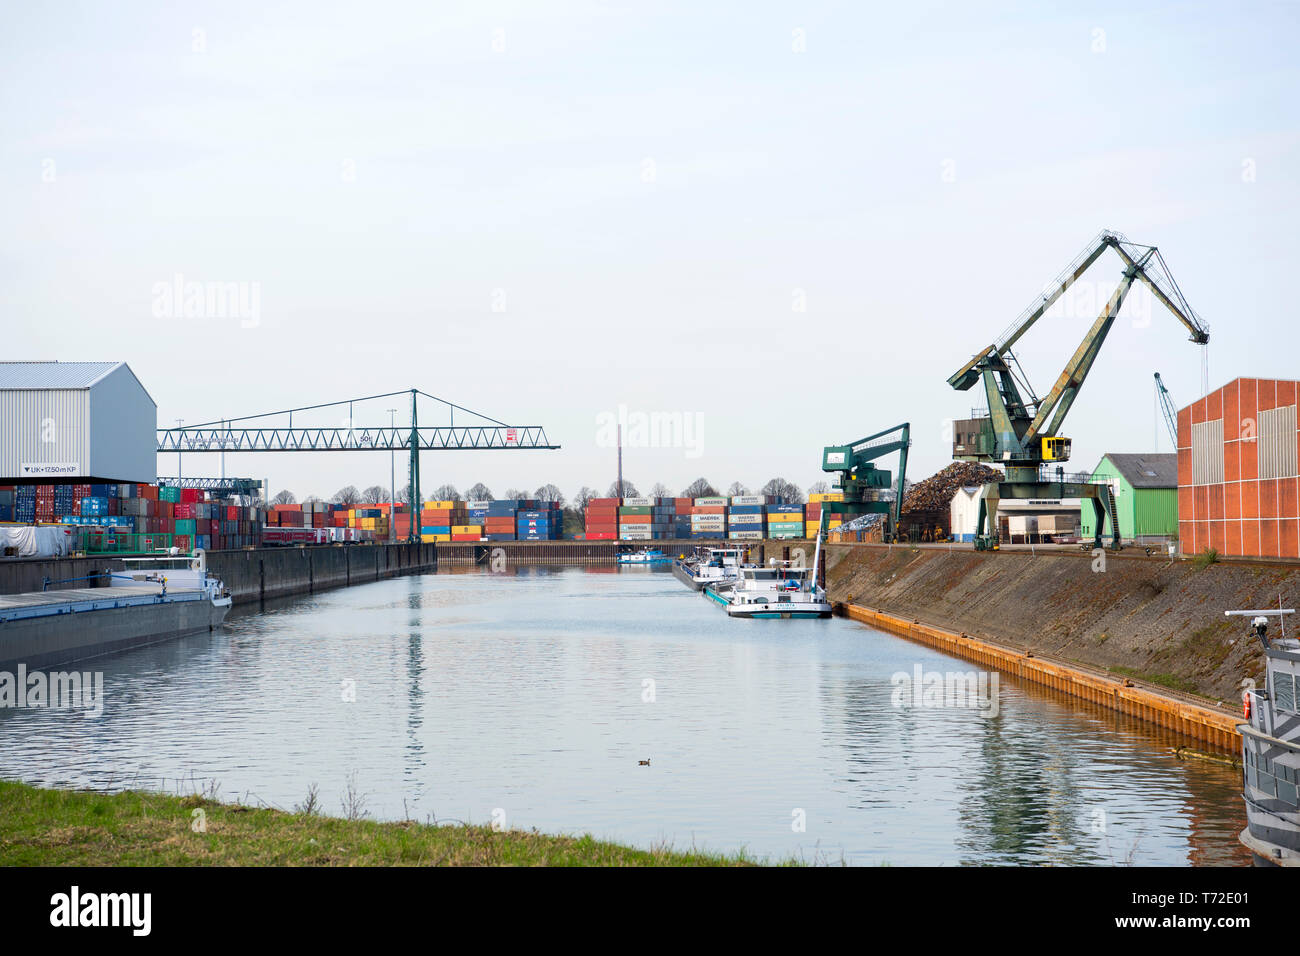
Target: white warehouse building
{"points": [[75, 422]]}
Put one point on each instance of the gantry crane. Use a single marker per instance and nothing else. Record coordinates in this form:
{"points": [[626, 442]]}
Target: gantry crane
{"points": [[1167, 407], [862, 482], [1021, 431]]}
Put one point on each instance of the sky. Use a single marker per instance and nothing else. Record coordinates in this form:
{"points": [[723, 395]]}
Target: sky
{"points": [[781, 225]]}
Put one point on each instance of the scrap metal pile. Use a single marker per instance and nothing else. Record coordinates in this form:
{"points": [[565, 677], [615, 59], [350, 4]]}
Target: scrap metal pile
{"points": [[935, 493]]}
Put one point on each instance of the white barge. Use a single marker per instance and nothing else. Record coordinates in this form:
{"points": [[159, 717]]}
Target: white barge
{"points": [[715, 566], [48, 628]]}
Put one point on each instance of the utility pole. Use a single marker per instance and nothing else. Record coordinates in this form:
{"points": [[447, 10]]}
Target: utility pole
{"points": [[392, 480], [620, 463]]}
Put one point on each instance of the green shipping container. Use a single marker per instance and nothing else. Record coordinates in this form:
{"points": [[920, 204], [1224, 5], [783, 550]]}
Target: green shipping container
{"points": [[168, 493], [185, 526], [636, 510]]}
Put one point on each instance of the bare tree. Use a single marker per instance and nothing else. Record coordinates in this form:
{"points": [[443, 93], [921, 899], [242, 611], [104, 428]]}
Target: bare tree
{"points": [[584, 496], [699, 488], [818, 488], [660, 490], [446, 493], [787, 491], [405, 493], [480, 492], [515, 494], [629, 490], [348, 495], [284, 497], [312, 499], [738, 488], [550, 494], [374, 495]]}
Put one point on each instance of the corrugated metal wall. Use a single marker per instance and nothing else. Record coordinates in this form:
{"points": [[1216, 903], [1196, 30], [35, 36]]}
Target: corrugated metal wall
{"points": [[46, 425], [1277, 442], [1207, 452], [1155, 512], [123, 429]]}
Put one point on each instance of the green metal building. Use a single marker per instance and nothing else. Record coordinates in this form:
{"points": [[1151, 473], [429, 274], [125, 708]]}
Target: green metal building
{"points": [[1146, 496]]}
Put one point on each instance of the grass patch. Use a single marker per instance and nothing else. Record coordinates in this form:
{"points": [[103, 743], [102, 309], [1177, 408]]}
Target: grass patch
{"points": [[42, 827], [1172, 681], [1207, 557]]}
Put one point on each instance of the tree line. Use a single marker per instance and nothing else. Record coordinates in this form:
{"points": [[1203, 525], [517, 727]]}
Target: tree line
{"points": [[699, 488]]}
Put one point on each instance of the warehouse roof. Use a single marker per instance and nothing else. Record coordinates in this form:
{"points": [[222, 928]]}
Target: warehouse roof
{"points": [[1147, 471], [38, 375]]}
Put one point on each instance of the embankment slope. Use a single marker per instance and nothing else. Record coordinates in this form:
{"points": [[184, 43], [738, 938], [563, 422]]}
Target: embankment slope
{"points": [[1154, 619]]}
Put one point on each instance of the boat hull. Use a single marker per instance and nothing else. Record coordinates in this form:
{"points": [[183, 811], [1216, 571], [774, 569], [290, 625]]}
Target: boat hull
{"points": [[778, 612], [683, 574], [63, 638]]}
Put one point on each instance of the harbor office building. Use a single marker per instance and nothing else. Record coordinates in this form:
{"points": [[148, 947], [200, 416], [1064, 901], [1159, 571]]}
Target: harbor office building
{"points": [[1145, 487], [1020, 521], [75, 422], [1238, 482]]}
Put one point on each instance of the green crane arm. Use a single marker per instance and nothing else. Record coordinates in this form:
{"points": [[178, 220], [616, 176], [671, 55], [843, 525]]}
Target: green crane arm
{"points": [[968, 375], [1151, 269], [1058, 401]]}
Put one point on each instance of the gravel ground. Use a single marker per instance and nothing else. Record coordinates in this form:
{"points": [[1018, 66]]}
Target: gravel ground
{"points": [[1152, 619]]}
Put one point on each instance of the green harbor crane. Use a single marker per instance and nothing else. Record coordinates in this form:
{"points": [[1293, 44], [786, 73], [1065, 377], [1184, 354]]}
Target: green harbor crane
{"points": [[864, 485], [1021, 431]]}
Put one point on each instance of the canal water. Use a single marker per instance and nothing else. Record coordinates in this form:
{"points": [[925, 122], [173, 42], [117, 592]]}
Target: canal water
{"points": [[530, 698]]}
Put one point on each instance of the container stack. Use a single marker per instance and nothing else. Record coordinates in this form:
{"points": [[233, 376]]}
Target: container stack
{"points": [[499, 524], [682, 517], [813, 512], [636, 519], [442, 520], [663, 518], [784, 521], [135, 518], [709, 518], [745, 518], [600, 519], [541, 523]]}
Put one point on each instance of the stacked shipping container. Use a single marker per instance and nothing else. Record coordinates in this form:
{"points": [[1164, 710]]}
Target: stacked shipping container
{"points": [[157, 517]]}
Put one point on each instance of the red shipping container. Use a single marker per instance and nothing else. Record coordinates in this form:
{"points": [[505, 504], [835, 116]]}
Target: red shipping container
{"points": [[191, 495], [604, 503], [464, 537], [602, 535]]}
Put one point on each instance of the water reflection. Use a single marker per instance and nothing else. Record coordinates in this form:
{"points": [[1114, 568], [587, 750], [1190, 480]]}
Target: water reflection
{"points": [[537, 692]]}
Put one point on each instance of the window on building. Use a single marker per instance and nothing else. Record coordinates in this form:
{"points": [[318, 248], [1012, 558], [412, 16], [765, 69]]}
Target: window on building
{"points": [[1284, 690], [1207, 453], [1277, 443]]}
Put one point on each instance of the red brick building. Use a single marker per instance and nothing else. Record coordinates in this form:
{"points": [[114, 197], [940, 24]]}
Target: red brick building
{"points": [[1238, 482]]}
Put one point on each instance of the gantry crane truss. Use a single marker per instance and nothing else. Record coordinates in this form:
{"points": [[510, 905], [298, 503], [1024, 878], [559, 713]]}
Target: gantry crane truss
{"points": [[231, 435]]}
